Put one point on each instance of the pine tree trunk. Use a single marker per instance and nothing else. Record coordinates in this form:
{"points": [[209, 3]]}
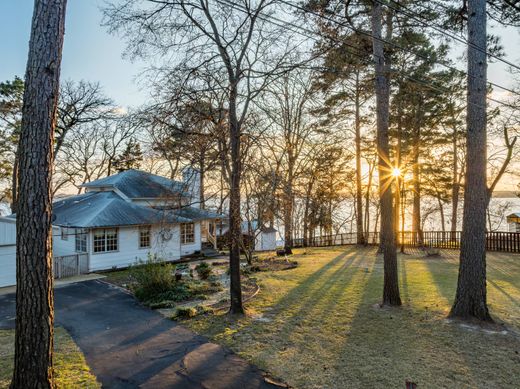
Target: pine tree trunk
{"points": [[416, 207], [391, 286], [359, 189], [455, 188], [34, 281], [235, 221], [470, 300]]}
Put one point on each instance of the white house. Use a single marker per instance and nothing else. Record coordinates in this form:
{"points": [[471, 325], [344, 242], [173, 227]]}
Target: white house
{"points": [[124, 218], [7, 251]]}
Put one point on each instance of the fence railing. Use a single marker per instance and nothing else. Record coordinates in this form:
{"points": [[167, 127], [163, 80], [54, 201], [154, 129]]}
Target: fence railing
{"points": [[70, 265], [495, 241]]}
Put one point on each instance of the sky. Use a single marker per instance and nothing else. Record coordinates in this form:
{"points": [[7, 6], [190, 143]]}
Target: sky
{"points": [[89, 52]]}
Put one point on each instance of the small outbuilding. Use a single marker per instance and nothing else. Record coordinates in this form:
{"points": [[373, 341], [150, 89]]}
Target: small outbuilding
{"points": [[264, 237], [513, 222]]}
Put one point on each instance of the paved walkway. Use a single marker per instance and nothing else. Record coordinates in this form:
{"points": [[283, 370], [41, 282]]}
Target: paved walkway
{"points": [[59, 283], [130, 346]]}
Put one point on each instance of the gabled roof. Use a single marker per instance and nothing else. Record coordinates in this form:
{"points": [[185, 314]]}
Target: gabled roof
{"points": [[107, 209], [137, 184]]}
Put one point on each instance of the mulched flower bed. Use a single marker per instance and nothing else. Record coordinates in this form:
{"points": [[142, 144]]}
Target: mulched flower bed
{"points": [[273, 265]]}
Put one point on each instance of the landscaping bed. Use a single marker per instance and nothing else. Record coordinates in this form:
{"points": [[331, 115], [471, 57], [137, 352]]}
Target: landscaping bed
{"points": [[184, 290], [272, 264]]}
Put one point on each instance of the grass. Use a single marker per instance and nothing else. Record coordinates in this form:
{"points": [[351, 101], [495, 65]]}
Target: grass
{"points": [[320, 325], [71, 370]]}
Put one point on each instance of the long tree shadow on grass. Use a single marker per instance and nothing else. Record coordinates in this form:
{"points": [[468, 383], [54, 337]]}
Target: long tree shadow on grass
{"points": [[301, 301], [385, 347]]}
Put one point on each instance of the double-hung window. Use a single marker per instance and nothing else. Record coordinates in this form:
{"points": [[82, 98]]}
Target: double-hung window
{"points": [[64, 233], [145, 237], [187, 233], [105, 240], [81, 241]]}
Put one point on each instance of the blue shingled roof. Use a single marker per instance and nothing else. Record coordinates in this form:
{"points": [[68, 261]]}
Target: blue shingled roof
{"points": [[107, 209], [137, 184]]}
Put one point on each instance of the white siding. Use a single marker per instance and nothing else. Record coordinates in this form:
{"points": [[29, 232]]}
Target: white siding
{"points": [[265, 241], [61, 247], [129, 252], [7, 265], [7, 231]]}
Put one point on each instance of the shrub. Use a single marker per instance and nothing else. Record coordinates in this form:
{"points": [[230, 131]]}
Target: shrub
{"points": [[152, 277], [184, 313], [189, 312], [203, 270]]}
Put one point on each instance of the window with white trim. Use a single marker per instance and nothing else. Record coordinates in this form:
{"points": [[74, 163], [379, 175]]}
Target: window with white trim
{"points": [[81, 241], [145, 237], [187, 233], [105, 240], [64, 233]]}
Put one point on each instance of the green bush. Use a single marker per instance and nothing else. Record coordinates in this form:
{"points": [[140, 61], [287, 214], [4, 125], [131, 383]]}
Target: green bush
{"points": [[152, 278], [203, 270]]}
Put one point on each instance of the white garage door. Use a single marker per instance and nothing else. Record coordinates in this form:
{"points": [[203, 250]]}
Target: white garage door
{"points": [[7, 265]]}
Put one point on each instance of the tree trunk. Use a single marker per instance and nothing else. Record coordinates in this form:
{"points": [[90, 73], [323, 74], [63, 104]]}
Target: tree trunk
{"points": [[367, 201], [470, 299], [441, 210], [382, 85], [416, 207], [359, 189], [455, 187], [34, 281], [14, 186], [235, 221], [288, 207], [202, 177], [403, 202]]}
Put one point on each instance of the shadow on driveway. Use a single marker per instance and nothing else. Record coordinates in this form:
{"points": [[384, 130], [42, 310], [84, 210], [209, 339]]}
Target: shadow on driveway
{"points": [[129, 346]]}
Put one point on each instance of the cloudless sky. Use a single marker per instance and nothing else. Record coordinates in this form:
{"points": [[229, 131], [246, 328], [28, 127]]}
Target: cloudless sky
{"points": [[92, 54], [89, 52]]}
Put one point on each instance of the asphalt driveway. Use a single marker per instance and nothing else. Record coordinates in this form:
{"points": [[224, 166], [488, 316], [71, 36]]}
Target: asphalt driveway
{"points": [[130, 346]]}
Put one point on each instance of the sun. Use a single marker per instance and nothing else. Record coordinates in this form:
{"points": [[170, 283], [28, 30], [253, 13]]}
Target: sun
{"points": [[396, 172]]}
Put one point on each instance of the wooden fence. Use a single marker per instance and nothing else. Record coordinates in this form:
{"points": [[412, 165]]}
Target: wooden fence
{"points": [[70, 265], [495, 241]]}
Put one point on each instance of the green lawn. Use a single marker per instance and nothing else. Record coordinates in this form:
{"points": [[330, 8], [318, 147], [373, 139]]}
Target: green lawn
{"points": [[319, 325], [71, 370]]}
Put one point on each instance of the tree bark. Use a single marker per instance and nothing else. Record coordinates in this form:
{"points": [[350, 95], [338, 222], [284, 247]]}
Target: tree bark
{"points": [[288, 207], [470, 300], [382, 86], [359, 189], [416, 207], [455, 187], [235, 221], [34, 280]]}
